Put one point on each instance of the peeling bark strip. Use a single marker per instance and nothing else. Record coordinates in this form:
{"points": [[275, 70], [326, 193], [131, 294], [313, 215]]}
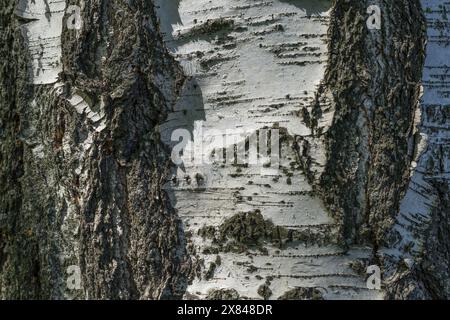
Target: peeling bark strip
{"points": [[373, 83], [91, 198]]}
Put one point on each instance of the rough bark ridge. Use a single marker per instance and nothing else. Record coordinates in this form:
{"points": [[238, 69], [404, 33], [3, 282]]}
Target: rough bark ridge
{"points": [[83, 168], [74, 193], [375, 145], [417, 264], [373, 83], [11, 161]]}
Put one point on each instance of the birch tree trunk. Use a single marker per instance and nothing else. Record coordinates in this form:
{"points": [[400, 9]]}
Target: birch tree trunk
{"points": [[93, 207]]}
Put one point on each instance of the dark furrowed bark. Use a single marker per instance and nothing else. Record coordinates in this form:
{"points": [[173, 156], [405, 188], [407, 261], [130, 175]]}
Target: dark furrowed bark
{"points": [[373, 79], [92, 198]]}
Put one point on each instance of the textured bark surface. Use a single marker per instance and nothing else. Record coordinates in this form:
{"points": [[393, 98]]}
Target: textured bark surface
{"points": [[90, 198], [373, 82], [86, 178], [417, 261]]}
